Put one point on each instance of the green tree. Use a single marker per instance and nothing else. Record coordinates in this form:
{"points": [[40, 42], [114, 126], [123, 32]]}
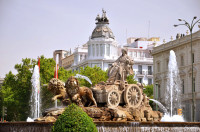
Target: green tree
{"points": [[47, 68], [131, 80], [64, 74], [149, 91], [74, 119], [16, 89], [95, 74]]}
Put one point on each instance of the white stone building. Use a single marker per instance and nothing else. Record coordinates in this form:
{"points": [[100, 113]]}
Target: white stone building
{"points": [[101, 49], [139, 50], [182, 49]]}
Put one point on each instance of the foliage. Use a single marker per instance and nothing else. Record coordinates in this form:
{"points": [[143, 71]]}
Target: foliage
{"points": [[74, 119], [16, 90], [149, 91], [46, 73], [64, 74], [131, 80], [95, 74]]}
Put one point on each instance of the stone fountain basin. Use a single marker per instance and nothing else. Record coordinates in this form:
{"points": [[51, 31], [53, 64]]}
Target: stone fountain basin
{"points": [[106, 126]]}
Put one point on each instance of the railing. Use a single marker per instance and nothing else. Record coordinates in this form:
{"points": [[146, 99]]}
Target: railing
{"points": [[140, 73], [149, 73]]}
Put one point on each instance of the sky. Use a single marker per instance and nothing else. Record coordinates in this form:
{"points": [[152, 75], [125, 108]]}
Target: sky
{"points": [[31, 28]]}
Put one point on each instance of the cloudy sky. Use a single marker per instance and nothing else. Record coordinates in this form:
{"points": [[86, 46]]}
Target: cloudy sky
{"points": [[30, 28]]}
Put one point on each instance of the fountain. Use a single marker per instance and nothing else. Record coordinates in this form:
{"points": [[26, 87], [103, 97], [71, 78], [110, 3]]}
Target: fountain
{"points": [[120, 106], [35, 95], [173, 91]]}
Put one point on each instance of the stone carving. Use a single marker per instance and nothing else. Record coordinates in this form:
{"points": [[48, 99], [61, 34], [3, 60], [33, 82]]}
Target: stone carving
{"points": [[120, 68], [56, 86], [116, 99], [82, 96]]}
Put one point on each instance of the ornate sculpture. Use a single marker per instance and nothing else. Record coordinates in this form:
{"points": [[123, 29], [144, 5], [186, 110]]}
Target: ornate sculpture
{"points": [[82, 96], [120, 68], [56, 86]]}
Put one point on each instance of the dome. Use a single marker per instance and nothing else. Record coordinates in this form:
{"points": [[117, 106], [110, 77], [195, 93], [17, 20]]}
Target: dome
{"points": [[102, 29]]}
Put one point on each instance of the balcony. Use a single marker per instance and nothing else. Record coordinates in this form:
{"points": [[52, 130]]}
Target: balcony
{"points": [[149, 74], [140, 73]]}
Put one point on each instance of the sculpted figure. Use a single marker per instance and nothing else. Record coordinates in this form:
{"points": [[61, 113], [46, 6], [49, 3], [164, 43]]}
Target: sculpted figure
{"points": [[56, 86], [82, 96], [120, 68]]}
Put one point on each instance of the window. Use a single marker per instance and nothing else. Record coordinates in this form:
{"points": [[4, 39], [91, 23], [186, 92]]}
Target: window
{"points": [[89, 51], [149, 81], [93, 49], [101, 50], [158, 66], [108, 50], [192, 57], [97, 47], [167, 62], [149, 70], [140, 80], [182, 61], [183, 87], [140, 69], [135, 54]]}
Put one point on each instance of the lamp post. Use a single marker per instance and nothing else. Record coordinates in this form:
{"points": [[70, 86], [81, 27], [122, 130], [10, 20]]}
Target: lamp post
{"points": [[190, 27], [156, 95]]}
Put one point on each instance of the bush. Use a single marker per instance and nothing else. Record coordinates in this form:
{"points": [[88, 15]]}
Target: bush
{"points": [[74, 119]]}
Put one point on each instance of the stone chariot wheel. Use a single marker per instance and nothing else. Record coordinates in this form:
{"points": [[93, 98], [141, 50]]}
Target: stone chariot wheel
{"points": [[133, 96], [113, 98]]}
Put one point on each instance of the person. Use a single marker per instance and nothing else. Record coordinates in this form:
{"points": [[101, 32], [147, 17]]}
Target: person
{"points": [[120, 68]]}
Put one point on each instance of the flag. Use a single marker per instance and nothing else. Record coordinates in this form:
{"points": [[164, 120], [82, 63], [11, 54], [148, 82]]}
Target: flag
{"points": [[56, 71], [39, 63]]}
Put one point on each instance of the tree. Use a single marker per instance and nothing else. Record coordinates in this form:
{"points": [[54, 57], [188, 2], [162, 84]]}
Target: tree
{"points": [[74, 119], [16, 89], [149, 91], [95, 74], [131, 80]]}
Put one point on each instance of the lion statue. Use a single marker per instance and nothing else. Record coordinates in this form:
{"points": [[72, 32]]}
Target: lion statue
{"points": [[57, 87], [82, 96]]}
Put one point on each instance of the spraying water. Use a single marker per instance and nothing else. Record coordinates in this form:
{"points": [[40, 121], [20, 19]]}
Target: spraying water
{"points": [[35, 95], [160, 105], [173, 92]]}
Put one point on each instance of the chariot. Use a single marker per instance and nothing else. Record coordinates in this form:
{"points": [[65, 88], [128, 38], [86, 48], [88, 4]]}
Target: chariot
{"points": [[118, 93]]}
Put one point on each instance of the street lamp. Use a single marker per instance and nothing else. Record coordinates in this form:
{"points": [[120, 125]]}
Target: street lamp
{"points": [[190, 27]]}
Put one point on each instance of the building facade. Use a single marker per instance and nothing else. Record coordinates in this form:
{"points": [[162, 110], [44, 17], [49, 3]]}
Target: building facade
{"points": [[182, 49], [139, 49], [102, 50]]}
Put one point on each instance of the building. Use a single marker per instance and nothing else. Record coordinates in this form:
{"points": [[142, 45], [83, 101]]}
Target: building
{"points": [[101, 49], [182, 49], [63, 58], [139, 49]]}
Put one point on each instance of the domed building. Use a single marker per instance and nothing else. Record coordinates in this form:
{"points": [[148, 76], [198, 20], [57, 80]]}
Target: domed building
{"points": [[100, 50]]}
